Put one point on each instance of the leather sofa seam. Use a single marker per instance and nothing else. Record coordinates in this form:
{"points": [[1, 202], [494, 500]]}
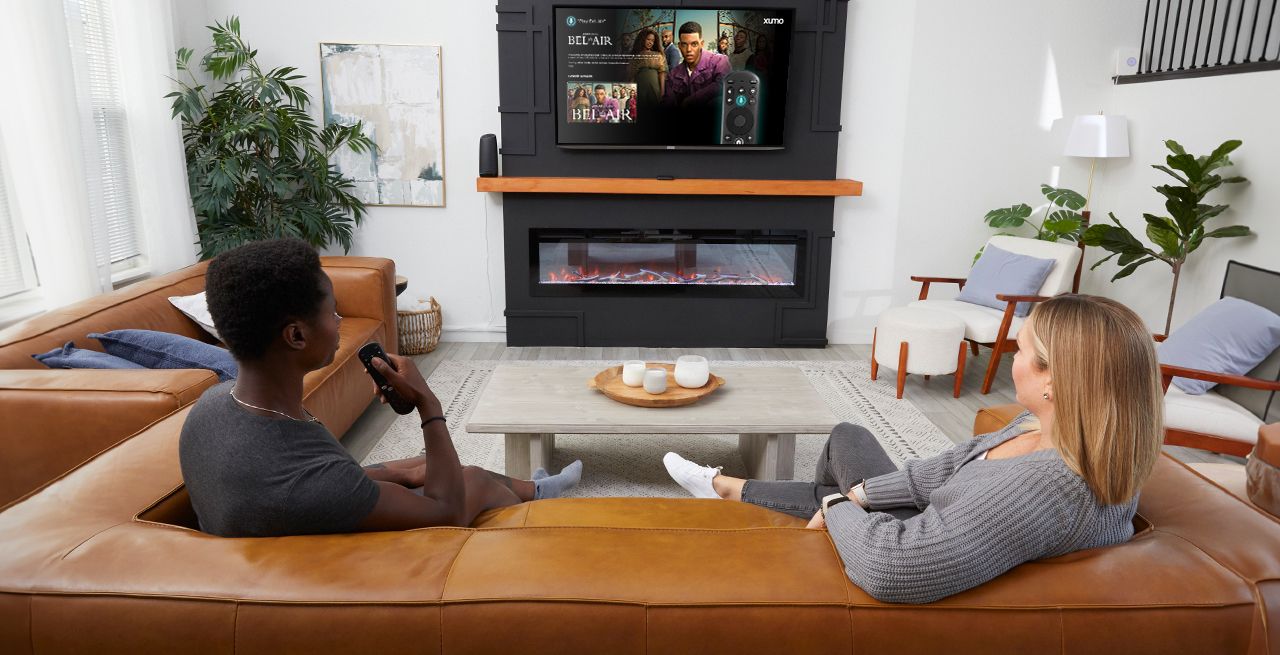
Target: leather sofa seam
{"points": [[1242, 501], [444, 587], [599, 601]]}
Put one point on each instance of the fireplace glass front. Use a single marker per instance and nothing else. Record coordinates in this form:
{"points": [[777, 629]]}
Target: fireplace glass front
{"points": [[703, 262]]}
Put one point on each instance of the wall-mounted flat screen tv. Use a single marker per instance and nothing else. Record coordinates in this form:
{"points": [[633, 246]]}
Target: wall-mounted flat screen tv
{"points": [[671, 77]]}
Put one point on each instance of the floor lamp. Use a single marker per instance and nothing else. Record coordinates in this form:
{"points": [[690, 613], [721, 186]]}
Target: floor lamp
{"points": [[1095, 136]]}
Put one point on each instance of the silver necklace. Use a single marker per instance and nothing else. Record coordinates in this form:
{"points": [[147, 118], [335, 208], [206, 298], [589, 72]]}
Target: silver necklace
{"points": [[310, 417]]}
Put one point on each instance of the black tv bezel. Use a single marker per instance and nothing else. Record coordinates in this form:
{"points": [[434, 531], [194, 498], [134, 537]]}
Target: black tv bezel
{"points": [[719, 147]]}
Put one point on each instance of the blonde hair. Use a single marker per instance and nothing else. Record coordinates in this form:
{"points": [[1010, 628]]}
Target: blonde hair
{"points": [[1108, 402]]}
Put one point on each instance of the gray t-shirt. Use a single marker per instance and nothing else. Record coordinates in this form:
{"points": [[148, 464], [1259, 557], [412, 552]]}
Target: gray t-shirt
{"points": [[252, 476]]}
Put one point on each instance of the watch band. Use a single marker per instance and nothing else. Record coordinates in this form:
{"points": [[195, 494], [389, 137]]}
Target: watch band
{"points": [[859, 492], [432, 418], [833, 499]]}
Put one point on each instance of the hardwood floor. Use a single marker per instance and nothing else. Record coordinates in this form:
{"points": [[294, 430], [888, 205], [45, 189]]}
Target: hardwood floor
{"points": [[933, 397]]}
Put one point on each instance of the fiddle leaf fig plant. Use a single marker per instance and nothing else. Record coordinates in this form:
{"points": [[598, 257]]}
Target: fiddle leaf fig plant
{"points": [[1181, 232], [1060, 221], [257, 164]]}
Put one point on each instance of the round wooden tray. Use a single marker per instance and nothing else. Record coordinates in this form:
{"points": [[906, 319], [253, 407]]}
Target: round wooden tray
{"points": [[609, 382]]}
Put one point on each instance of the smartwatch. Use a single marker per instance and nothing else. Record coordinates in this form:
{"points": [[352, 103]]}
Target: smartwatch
{"points": [[833, 499]]}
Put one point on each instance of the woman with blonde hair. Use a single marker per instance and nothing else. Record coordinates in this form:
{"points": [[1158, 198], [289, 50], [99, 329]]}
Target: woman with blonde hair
{"points": [[1062, 476]]}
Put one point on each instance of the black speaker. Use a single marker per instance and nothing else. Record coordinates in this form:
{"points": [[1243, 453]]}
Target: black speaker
{"points": [[488, 156], [741, 108]]}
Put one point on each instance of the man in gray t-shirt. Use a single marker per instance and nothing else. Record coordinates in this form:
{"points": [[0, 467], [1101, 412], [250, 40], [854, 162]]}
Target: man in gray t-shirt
{"points": [[253, 476]]}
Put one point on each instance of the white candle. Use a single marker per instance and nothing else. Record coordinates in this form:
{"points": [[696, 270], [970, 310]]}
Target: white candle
{"points": [[655, 380], [633, 373], [692, 371]]}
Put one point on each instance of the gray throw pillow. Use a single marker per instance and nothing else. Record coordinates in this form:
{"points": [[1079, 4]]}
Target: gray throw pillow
{"points": [[1000, 271], [164, 350], [68, 356], [1230, 336]]}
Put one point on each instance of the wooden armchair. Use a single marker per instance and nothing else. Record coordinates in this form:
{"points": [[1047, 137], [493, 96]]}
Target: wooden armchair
{"points": [[1226, 419], [997, 329]]}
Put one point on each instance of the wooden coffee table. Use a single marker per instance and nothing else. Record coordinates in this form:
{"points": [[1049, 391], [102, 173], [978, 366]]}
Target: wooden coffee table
{"points": [[765, 407]]}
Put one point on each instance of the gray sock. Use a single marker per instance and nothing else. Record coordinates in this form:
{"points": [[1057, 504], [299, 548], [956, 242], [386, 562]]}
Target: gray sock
{"points": [[539, 474], [554, 486]]}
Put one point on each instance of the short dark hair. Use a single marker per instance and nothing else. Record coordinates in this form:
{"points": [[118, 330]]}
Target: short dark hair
{"points": [[257, 288], [691, 27], [600, 87]]}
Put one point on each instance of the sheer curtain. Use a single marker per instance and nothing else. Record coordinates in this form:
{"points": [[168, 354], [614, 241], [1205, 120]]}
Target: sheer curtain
{"points": [[94, 159]]}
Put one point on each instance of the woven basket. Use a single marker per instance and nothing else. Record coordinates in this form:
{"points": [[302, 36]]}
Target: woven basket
{"points": [[419, 329]]}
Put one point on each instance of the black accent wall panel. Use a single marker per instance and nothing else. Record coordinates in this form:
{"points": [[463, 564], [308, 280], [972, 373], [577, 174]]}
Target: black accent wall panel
{"points": [[528, 147]]}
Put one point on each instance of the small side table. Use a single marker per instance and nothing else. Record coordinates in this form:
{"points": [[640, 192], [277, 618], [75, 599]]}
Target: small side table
{"points": [[402, 283]]}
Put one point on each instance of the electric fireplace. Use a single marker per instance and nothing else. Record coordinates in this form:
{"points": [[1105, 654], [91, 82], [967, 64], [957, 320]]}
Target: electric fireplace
{"points": [[694, 262], [666, 271]]}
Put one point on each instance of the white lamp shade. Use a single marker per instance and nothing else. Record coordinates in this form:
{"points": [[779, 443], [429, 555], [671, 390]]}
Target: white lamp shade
{"points": [[1098, 135]]}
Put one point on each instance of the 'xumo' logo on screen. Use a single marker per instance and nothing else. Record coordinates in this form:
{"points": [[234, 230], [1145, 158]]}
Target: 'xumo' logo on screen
{"points": [[773, 21], [571, 21]]}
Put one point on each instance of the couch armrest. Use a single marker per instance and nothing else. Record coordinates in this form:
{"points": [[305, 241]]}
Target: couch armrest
{"points": [[991, 419], [366, 287], [55, 420]]}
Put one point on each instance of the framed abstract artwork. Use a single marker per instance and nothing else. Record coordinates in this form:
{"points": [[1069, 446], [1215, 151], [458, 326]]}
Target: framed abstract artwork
{"points": [[396, 91]]}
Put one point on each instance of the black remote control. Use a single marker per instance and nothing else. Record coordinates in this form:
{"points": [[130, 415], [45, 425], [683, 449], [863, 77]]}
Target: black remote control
{"points": [[366, 355]]}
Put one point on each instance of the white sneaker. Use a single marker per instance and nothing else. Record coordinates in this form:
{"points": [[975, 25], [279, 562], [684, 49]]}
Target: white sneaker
{"points": [[694, 478]]}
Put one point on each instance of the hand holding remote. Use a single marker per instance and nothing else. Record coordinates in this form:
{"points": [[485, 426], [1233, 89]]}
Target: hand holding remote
{"points": [[398, 381]]}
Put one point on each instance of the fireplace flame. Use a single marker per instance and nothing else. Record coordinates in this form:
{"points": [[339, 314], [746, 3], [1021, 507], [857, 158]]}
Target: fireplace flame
{"points": [[647, 275]]}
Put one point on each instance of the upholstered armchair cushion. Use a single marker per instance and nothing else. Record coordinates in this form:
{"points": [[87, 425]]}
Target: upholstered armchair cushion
{"points": [[1231, 336], [999, 271], [982, 324], [1209, 413]]}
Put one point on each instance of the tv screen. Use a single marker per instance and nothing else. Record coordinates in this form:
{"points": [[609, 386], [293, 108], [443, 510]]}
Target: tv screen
{"points": [[671, 77]]}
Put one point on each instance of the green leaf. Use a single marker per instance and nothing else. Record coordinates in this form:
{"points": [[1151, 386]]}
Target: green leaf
{"points": [[1218, 158], [1063, 223], [1063, 197], [1234, 180], [1174, 147], [1229, 231], [1128, 270], [1163, 233], [1014, 216], [1171, 173]]}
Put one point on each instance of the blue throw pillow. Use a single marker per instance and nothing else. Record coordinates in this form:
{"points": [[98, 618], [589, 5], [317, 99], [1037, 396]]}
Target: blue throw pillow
{"points": [[1000, 271], [68, 356], [1230, 336], [164, 350]]}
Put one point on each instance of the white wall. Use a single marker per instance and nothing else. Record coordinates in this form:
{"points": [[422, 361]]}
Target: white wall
{"points": [[950, 110], [443, 251]]}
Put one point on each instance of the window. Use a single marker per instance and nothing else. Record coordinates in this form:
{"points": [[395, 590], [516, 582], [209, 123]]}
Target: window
{"points": [[17, 274], [112, 203]]}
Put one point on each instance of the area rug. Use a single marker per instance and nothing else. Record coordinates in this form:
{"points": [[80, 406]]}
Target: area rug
{"points": [[631, 465]]}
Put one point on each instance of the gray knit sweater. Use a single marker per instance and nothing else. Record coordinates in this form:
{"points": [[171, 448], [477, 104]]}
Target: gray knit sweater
{"points": [[979, 519]]}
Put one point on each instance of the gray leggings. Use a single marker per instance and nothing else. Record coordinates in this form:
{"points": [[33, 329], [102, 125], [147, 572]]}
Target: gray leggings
{"points": [[850, 455]]}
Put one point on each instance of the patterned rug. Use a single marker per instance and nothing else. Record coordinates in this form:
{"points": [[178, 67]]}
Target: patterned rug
{"points": [[631, 465]]}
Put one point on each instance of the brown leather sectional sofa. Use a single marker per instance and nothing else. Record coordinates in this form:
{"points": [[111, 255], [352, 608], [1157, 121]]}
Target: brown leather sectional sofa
{"points": [[51, 421], [106, 558]]}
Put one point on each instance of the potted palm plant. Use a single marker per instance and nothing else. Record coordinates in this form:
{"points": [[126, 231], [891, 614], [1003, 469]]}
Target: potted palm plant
{"points": [[257, 163]]}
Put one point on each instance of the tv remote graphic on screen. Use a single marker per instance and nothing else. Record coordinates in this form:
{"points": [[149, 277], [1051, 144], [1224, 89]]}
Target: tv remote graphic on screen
{"points": [[367, 353], [741, 108]]}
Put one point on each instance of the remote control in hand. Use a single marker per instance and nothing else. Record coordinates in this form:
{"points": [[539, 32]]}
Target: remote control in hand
{"points": [[367, 353]]}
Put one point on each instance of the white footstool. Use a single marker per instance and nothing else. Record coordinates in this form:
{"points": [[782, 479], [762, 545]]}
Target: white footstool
{"points": [[921, 341]]}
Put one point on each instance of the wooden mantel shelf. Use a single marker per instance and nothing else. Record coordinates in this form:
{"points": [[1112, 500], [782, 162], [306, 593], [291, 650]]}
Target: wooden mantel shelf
{"points": [[652, 186]]}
